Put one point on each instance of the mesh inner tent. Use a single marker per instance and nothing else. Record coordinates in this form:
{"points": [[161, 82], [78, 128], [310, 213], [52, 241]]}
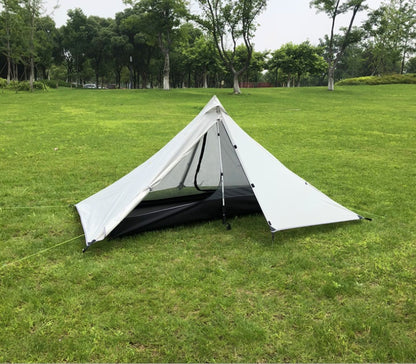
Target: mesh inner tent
{"points": [[192, 190]]}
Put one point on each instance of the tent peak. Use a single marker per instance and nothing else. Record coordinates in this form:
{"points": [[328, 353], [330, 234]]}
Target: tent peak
{"points": [[213, 103]]}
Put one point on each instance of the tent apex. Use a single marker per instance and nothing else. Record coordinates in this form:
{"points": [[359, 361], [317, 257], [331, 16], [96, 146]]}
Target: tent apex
{"points": [[214, 102]]}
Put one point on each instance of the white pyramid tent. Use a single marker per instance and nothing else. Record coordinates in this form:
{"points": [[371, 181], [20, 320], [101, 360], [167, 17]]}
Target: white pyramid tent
{"points": [[211, 169]]}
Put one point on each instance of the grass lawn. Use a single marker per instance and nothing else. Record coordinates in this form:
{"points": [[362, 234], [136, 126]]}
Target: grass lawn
{"points": [[334, 293]]}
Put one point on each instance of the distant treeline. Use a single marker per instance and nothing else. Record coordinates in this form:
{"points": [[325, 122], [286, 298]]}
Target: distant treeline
{"points": [[126, 52]]}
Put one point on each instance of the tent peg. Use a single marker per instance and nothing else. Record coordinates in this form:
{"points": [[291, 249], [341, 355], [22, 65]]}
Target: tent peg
{"points": [[88, 246]]}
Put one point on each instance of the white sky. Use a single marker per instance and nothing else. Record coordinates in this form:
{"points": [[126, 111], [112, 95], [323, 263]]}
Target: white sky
{"points": [[283, 21]]}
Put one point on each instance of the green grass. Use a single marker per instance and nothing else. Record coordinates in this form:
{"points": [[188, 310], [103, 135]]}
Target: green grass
{"points": [[335, 293]]}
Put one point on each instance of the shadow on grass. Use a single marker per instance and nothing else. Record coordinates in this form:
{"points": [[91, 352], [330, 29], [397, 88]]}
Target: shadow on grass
{"points": [[250, 227]]}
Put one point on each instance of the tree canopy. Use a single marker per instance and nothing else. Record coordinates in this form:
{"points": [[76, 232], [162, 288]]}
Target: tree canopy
{"points": [[162, 43], [234, 19], [336, 45]]}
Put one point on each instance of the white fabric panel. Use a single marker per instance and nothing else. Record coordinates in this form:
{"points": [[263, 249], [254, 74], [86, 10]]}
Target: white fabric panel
{"points": [[103, 211], [286, 200]]}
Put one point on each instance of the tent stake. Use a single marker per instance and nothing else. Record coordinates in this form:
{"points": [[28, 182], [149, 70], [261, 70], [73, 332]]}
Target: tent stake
{"points": [[88, 246]]}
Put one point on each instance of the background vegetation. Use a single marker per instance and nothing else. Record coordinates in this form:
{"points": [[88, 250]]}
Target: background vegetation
{"points": [[129, 50], [336, 293], [379, 80]]}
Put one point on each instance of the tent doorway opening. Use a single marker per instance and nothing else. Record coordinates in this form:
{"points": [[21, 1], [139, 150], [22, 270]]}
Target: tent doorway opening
{"points": [[208, 183]]}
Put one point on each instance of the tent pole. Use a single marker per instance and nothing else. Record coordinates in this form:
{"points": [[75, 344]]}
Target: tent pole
{"points": [[224, 218], [188, 167]]}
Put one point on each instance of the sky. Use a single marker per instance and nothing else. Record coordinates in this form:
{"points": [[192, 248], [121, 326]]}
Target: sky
{"points": [[283, 21]]}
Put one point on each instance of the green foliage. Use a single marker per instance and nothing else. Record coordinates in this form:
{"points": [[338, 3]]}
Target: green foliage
{"points": [[336, 44], [200, 293], [235, 21], [293, 62], [3, 83], [391, 33], [411, 65], [379, 80], [55, 83], [23, 85], [93, 49]]}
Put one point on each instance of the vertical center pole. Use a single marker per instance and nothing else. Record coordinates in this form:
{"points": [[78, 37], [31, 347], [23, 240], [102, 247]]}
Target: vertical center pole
{"points": [[221, 166]]}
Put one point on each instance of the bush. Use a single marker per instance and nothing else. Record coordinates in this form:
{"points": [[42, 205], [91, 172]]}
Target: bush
{"points": [[25, 85], [50, 83], [379, 80], [3, 83], [38, 85], [56, 83], [15, 85]]}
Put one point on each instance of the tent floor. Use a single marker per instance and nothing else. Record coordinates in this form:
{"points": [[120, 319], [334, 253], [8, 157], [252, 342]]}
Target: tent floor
{"points": [[175, 211]]}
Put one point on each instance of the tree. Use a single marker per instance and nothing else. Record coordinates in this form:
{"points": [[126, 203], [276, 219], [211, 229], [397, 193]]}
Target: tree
{"points": [[46, 44], [99, 34], [336, 49], [32, 9], [195, 57], [120, 48], [296, 61], [391, 34], [140, 46], [354, 63], [11, 24], [256, 66], [411, 65], [75, 42], [234, 19], [205, 60], [161, 18]]}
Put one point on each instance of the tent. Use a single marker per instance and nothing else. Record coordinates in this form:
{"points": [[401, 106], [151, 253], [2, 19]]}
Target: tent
{"points": [[211, 169]]}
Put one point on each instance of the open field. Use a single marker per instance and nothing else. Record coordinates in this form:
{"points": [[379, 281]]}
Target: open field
{"points": [[336, 293]]}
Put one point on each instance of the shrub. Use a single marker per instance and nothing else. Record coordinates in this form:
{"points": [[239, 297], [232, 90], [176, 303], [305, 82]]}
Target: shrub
{"points": [[25, 86], [14, 85], [379, 80], [56, 83], [63, 84], [3, 83], [38, 85]]}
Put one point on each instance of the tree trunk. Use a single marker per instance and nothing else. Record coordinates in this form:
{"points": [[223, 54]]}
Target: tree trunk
{"points": [[9, 63], [32, 72], [237, 90], [131, 77], [144, 79], [403, 63], [9, 69], [32, 52], [205, 79], [166, 72], [331, 78]]}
